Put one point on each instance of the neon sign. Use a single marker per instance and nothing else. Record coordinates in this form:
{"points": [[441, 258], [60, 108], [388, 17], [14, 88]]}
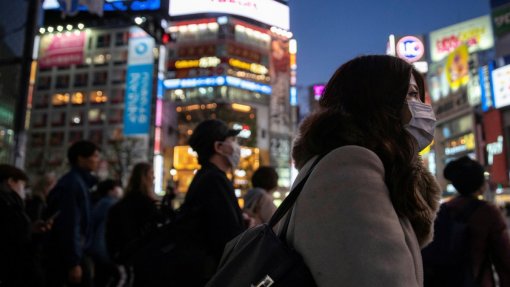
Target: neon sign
{"points": [[217, 81], [252, 67]]}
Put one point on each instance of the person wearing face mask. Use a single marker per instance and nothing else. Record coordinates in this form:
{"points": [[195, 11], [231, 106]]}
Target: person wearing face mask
{"points": [[18, 265], [211, 197], [369, 204]]}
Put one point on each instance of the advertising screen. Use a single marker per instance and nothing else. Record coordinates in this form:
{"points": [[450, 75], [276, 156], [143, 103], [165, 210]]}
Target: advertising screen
{"points": [[265, 11], [113, 5], [501, 81], [475, 33], [62, 50]]}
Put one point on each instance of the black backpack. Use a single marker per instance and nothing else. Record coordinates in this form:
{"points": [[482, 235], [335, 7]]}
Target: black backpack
{"points": [[446, 260]]}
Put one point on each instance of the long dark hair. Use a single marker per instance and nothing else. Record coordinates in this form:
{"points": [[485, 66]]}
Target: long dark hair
{"points": [[362, 105], [137, 181]]}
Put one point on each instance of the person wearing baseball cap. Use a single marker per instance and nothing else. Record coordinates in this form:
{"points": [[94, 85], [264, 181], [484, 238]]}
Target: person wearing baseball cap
{"points": [[211, 197]]}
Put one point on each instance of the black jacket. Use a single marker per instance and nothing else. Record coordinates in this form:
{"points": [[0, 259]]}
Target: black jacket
{"points": [[71, 232], [128, 220], [17, 263], [220, 219]]}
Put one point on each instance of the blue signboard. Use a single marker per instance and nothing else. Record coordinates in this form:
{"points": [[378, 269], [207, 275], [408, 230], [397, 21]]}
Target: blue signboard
{"points": [[485, 78], [138, 98], [217, 81]]}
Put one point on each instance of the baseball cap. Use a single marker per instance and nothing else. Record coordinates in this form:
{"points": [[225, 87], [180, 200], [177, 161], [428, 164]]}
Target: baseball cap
{"points": [[207, 133]]}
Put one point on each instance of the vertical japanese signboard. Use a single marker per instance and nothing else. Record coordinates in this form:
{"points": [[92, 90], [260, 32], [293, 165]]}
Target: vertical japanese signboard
{"points": [[138, 83]]}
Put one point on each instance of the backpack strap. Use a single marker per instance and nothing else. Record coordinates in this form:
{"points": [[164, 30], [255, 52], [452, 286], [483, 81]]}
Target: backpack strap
{"points": [[289, 201]]}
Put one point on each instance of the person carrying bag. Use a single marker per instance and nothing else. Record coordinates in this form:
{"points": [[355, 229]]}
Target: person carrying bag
{"points": [[259, 257]]}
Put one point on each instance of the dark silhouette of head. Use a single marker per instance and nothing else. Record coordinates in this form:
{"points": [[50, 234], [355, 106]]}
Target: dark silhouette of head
{"points": [[8, 171], [141, 179], [265, 177], [466, 175], [82, 148]]}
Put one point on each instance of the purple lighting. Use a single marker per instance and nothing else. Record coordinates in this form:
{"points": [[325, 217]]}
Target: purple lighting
{"points": [[318, 90]]}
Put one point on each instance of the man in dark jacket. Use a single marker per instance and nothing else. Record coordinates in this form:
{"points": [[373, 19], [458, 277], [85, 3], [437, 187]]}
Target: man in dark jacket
{"points": [[487, 239], [17, 263], [71, 233], [211, 194]]}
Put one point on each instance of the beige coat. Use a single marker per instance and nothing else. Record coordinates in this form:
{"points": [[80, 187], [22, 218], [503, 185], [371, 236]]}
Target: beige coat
{"points": [[345, 227]]}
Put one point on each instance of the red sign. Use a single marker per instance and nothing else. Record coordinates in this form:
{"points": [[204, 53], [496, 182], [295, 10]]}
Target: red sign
{"points": [[495, 147], [62, 50]]}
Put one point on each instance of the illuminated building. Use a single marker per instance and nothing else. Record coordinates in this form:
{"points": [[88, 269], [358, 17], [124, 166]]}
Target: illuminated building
{"points": [[233, 61], [95, 81], [459, 87]]}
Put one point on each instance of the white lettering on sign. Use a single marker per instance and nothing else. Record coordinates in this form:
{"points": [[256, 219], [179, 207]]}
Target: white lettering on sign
{"points": [[493, 149], [502, 20]]}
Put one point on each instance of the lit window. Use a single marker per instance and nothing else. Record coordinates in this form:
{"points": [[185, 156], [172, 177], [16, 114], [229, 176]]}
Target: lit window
{"points": [[60, 99], [98, 97], [78, 98]]}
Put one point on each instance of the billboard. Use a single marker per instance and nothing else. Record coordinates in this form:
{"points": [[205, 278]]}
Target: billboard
{"points": [[63, 49], [501, 20], [475, 33], [113, 5], [137, 113], [265, 11], [501, 82]]}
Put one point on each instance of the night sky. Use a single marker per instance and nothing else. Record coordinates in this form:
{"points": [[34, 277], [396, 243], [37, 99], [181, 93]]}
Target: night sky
{"points": [[330, 32]]}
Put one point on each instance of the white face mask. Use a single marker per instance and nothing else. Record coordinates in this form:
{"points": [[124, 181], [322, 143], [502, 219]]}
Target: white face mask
{"points": [[422, 123], [235, 156]]}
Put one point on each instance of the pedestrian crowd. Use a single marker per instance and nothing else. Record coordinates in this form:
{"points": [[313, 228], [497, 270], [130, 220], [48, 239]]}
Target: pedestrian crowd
{"points": [[368, 211]]}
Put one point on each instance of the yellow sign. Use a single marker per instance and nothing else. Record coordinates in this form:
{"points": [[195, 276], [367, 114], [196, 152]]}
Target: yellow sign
{"points": [[204, 62], [457, 67], [252, 67]]}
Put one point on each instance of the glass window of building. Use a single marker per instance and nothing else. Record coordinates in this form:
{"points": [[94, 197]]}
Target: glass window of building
{"points": [[56, 156], [119, 76], [56, 138], [120, 57], [98, 97], [59, 99], [121, 38], [39, 120], [75, 136], [78, 98], [117, 96], [103, 41], [41, 100], [96, 116], [62, 81], [96, 136], [58, 119], [38, 139], [101, 59], [76, 118], [81, 79], [100, 78], [44, 82], [115, 116]]}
